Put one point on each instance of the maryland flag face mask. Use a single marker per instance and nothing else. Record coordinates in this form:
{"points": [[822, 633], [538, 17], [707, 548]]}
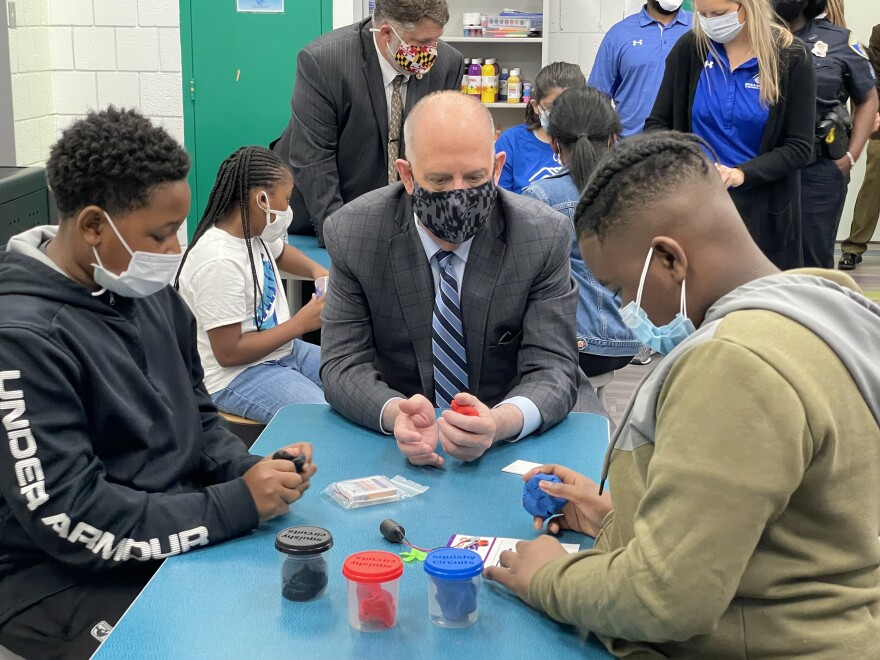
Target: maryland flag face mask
{"points": [[417, 60]]}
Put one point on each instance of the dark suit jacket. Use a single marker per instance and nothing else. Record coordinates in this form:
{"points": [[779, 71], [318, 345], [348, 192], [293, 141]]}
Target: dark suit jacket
{"points": [[769, 201], [337, 140], [518, 308]]}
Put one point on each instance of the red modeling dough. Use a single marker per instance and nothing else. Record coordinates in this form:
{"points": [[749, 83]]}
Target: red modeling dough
{"points": [[375, 605], [470, 411]]}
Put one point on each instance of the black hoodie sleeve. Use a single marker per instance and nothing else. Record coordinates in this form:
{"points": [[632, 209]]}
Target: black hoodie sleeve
{"points": [[57, 489], [224, 456]]}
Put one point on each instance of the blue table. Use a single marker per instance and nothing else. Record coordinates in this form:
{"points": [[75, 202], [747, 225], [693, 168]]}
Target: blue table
{"points": [[225, 601], [308, 245]]}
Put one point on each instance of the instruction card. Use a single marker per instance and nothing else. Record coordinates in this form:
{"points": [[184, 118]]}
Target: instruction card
{"points": [[260, 6], [491, 547]]}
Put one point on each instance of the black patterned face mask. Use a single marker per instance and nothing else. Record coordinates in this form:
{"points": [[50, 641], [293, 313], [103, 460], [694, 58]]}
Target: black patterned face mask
{"points": [[454, 216]]}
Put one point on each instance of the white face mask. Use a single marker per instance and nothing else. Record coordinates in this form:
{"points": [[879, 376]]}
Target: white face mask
{"points": [[722, 29], [146, 274], [277, 228], [670, 5], [544, 118]]}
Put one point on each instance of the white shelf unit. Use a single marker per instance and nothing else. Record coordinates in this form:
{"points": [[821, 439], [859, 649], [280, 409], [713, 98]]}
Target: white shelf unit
{"points": [[528, 54]]}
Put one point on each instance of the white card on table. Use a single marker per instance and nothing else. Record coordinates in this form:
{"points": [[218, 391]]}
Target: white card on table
{"points": [[520, 467]]}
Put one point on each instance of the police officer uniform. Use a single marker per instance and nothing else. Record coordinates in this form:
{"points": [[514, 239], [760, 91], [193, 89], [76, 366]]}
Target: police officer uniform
{"points": [[843, 72]]}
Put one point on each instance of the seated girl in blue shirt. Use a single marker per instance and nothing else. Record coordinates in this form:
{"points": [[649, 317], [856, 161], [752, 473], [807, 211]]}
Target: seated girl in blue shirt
{"points": [[582, 128], [529, 155]]}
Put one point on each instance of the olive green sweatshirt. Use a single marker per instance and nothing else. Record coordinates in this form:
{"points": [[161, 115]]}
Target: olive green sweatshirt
{"points": [[745, 479]]}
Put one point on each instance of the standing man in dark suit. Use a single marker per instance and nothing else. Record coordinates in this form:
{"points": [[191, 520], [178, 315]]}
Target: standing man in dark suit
{"points": [[443, 288], [354, 87]]}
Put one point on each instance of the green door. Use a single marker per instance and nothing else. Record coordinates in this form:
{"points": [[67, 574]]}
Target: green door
{"points": [[238, 72]]}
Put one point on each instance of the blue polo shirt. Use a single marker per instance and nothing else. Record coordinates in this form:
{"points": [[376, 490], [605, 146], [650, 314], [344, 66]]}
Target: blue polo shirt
{"points": [[630, 62], [727, 111]]}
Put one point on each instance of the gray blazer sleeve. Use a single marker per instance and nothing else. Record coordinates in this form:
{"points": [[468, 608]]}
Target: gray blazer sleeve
{"points": [[313, 143], [548, 364], [352, 385]]}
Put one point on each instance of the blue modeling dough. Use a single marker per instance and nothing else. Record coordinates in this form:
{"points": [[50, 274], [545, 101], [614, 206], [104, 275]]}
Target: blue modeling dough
{"points": [[457, 598], [539, 503]]}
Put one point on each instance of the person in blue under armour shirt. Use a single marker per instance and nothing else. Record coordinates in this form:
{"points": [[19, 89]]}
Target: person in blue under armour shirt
{"points": [[629, 64]]}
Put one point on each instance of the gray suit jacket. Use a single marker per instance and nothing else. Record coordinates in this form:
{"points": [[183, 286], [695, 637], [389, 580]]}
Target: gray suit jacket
{"points": [[337, 140], [518, 308]]}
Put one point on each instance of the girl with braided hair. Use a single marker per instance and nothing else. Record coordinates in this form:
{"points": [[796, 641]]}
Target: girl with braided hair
{"points": [[582, 127], [253, 358]]}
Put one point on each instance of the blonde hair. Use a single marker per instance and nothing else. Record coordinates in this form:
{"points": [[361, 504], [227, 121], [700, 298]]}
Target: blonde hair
{"points": [[768, 38], [835, 13]]}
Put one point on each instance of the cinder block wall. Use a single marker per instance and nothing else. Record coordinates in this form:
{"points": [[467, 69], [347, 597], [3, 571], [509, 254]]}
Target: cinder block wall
{"points": [[69, 56]]}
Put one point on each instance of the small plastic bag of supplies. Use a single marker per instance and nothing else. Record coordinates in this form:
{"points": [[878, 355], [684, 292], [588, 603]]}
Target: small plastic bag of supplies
{"points": [[367, 491]]}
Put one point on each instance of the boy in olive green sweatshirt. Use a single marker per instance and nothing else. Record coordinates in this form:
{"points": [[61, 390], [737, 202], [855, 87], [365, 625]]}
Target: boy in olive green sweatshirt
{"points": [[744, 506]]}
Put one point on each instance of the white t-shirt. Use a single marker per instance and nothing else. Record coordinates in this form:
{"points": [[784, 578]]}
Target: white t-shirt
{"points": [[217, 284]]}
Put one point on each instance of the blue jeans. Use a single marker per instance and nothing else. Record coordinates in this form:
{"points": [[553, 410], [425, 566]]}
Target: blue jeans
{"points": [[259, 391]]}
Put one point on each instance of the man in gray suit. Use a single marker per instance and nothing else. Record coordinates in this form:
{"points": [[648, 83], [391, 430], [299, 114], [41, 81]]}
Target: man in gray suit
{"points": [[444, 287], [354, 87]]}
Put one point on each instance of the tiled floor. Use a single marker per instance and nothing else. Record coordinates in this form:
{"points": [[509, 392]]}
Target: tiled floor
{"points": [[625, 381]]}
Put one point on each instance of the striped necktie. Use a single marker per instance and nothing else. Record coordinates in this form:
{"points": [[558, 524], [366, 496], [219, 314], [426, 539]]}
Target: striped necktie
{"points": [[395, 122], [450, 359]]}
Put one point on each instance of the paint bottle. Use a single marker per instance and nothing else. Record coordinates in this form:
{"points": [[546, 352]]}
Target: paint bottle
{"points": [[527, 92], [475, 77], [502, 85], [465, 77], [488, 90], [497, 76], [514, 87]]}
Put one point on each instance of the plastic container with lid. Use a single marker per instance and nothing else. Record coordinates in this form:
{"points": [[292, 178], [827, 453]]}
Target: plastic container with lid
{"points": [[304, 569], [475, 77], [502, 85], [453, 587], [489, 85], [514, 87], [373, 589]]}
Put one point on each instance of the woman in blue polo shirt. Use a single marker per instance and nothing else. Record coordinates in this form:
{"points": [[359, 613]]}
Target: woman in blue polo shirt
{"points": [[529, 155], [743, 83]]}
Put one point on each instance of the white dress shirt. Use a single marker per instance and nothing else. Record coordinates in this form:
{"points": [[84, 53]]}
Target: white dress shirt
{"points": [[532, 418]]}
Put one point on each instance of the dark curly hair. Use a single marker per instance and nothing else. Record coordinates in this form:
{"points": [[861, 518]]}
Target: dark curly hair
{"points": [[641, 170], [246, 168], [113, 159]]}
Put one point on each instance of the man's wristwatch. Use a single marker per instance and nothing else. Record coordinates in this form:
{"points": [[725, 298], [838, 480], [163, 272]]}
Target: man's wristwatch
{"points": [[852, 160]]}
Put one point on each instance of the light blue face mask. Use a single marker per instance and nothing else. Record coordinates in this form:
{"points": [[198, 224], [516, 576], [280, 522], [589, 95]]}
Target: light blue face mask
{"points": [[662, 339]]}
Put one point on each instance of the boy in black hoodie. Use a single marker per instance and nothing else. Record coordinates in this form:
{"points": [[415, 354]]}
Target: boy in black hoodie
{"points": [[112, 456]]}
